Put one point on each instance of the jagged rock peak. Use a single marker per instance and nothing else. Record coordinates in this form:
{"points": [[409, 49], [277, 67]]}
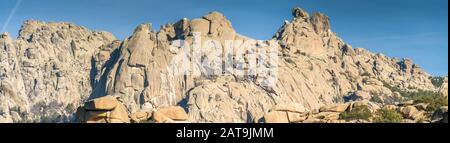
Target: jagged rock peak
{"points": [[320, 22], [298, 12], [62, 29], [215, 15], [4, 35], [145, 27], [213, 25], [5, 40]]}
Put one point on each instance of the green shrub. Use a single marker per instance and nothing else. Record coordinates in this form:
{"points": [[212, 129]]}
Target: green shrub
{"points": [[437, 81], [395, 89], [357, 113], [434, 99], [376, 100], [387, 116]]}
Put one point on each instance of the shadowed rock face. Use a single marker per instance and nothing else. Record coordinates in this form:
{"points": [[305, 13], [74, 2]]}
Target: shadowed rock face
{"points": [[53, 67]]}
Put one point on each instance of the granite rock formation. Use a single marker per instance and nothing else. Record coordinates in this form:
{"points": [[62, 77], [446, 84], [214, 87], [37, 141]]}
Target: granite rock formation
{"points": [[53, 68]]}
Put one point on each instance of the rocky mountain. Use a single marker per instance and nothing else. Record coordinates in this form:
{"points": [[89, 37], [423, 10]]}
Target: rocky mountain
{"points": [[308, 72]]}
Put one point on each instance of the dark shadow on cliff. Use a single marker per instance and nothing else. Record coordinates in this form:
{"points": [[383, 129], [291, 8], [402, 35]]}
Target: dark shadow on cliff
{"points": [[184, 103], [99, 89]]}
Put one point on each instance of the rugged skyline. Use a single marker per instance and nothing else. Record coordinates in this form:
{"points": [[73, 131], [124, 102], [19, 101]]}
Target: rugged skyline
{"points": [[62, 72], [403, 28]]}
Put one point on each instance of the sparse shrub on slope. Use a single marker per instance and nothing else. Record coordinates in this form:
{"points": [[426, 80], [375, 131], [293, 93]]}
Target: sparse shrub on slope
{"points": [[387, 116], [358, 113], [437, 81], [435, 100]]}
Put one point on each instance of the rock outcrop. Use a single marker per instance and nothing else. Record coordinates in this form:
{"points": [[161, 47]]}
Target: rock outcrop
{"points": [[440, 115], [172, 114], [353, 112], [48, 71], [444, 87], [311, 74], [106, 109]]}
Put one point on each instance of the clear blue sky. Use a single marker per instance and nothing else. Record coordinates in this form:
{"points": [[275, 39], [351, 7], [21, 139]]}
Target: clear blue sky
{"points": [[417, 29]]}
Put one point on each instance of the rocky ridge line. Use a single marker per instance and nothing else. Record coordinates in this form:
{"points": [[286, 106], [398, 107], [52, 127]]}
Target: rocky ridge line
{"points": [[52, 68]]}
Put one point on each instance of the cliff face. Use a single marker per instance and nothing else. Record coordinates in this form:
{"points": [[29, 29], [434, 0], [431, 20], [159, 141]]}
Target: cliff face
{"points": [[53, 67], [48, 71]]}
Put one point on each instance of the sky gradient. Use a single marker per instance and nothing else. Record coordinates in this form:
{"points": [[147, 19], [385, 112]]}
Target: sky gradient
{"points": [[417, 29]]}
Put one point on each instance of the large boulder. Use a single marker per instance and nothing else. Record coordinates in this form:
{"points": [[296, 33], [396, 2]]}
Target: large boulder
{"points": [[50, 67], [106, 109], [276, 117], [406, 103], [169, 114], [290, 107], [200, 25], [140, 116], [106, 103], [174, 113], [160, 118], [296, 117], [411, 112]]}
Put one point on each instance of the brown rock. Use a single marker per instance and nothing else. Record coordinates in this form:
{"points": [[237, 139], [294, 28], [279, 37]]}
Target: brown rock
{"points": [[106, 103], [406, 103], [97, 116], [315, 121], [296, 117], [158, 117], [422, 106], [361, 95], [359, 104], [276, 117], [174, 112], [140, 116], [119, 115], [299, 13], [325, 116], [411, 112], [335, 108], [289, 108]]}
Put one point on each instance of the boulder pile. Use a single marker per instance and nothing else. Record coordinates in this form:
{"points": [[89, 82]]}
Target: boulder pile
{"points": [[411, 113], [110, 109]]}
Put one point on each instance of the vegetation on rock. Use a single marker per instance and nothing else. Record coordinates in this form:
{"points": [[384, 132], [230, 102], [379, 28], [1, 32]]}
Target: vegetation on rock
{"points": [[387, 116], [358, 113], [435, 100]]}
